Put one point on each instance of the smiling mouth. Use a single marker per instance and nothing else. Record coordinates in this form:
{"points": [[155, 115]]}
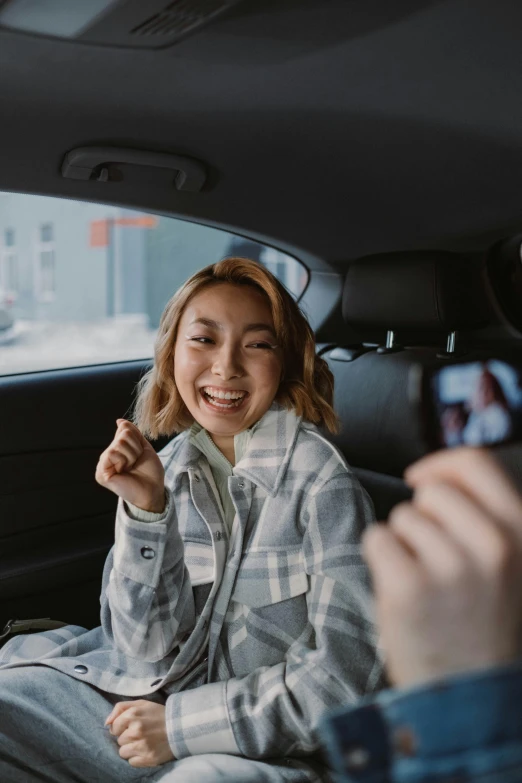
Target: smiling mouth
{"points": [[220, 400]]}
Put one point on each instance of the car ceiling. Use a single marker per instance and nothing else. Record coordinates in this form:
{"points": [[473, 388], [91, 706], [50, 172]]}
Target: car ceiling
{"points": [[337, 129]]}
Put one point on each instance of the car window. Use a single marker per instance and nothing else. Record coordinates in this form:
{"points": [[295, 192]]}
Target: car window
{"points": [[83, 283]]}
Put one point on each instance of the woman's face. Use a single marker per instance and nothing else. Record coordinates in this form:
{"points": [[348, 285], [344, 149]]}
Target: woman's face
{"points": [[226, 345], [484, 394]]}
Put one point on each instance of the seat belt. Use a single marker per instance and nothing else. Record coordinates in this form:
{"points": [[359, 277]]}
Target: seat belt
{"points": [[14, 626]]}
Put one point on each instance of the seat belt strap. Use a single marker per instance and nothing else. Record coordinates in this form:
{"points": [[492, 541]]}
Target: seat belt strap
{"points": [[40, 623]]}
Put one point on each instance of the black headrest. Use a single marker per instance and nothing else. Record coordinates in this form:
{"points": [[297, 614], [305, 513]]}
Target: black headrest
{"points": [[426, 290], [381, 427], [380, 430]]}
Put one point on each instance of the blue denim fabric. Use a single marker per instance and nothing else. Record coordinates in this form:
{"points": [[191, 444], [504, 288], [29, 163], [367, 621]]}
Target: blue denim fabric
{"points": [[465, 728]]}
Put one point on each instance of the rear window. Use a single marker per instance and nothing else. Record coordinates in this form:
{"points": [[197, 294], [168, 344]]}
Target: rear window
{"points": [[84, 283]]}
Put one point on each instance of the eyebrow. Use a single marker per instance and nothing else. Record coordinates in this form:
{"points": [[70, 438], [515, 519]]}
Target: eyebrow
{"points": [[257, 327]]}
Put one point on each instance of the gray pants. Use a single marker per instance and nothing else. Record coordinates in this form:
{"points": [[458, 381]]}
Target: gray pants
{"points": [[51, 731]]}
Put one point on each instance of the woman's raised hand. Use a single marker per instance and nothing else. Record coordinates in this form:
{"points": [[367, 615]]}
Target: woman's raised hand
{"points": [[131, 469]]}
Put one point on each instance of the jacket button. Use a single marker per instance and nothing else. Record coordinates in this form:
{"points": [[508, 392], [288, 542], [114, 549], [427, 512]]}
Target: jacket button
{"points": [[241, 485], [147, 552], [219, 535], [196, 477], [156, 682], [81, 669]]}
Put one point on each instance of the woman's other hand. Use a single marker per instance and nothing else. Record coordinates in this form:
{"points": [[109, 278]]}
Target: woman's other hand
{"points": [[141, 729], [447, 569], [130, 468]]}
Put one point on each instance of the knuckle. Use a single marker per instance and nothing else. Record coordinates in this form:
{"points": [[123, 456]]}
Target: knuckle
{"points": [[475, 457], [428, 496], [400, 514], [398, 510]]}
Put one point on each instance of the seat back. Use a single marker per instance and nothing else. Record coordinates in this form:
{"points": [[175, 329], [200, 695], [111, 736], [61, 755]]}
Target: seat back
{"points": [[420, 298]]}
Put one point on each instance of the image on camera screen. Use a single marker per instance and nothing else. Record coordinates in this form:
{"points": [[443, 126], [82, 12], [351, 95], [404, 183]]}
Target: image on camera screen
{"points": [[478, 403]]}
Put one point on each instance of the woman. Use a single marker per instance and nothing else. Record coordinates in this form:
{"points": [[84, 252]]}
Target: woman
{"points": [[235, 606], [490, 419]]}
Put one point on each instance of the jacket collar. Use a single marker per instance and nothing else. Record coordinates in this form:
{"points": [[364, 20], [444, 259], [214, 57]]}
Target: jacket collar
{"points": [[268, 453]]}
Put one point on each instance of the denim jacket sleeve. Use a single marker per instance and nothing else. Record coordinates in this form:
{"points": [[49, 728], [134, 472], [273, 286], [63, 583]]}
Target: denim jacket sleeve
{"points": [[465, 728]]}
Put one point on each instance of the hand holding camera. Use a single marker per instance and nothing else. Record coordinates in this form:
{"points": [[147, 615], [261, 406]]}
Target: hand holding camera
{"points": [[446, 569]]}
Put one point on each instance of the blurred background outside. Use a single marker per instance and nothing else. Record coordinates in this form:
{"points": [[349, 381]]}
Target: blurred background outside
{"points": [[84, 283]]}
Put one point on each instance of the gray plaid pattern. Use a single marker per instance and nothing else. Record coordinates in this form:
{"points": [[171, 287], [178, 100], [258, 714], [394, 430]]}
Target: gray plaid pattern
{"points": [[252, 639]]}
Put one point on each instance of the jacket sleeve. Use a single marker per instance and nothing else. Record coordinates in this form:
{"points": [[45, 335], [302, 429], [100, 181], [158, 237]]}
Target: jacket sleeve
{"points": [[147, 603], [275, 710], [465, 728]]}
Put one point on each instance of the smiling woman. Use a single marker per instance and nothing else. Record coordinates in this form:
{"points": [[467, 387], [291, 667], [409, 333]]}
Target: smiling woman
{"points": [[256, 330], [235, 605]]}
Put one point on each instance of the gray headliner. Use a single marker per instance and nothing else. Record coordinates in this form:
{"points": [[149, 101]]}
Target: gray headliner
{"points": [[333, 129]]}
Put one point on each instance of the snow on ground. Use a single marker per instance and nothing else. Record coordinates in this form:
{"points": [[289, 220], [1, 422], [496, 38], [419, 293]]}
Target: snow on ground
{"points": [[39, 345]]}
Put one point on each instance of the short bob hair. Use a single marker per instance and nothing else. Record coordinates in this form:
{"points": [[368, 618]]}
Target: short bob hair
{"points": [[306, 384]]}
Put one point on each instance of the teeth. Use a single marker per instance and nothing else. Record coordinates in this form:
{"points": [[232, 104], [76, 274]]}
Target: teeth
{"points": [[221, 395]]}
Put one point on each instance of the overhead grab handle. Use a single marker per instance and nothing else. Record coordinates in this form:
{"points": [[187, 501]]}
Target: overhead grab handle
{"points": [[93, 162]]}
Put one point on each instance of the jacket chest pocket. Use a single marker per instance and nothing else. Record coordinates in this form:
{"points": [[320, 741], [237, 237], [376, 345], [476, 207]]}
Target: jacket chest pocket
{"points": [[199, 560], [269, 577]]}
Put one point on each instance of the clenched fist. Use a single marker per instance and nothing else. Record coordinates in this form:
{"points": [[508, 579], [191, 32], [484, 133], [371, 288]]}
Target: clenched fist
{"points": [[131, 469], [142, 732]]}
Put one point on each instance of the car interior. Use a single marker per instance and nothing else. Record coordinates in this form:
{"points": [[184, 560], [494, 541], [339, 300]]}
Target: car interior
{"points": [[379, 144]]}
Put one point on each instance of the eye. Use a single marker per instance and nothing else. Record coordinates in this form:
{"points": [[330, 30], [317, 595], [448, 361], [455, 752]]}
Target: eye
{"points": [[202, 340], [262, 345]]}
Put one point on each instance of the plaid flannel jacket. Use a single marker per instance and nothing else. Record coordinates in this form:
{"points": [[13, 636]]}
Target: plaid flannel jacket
{"points": [[251, 639]]}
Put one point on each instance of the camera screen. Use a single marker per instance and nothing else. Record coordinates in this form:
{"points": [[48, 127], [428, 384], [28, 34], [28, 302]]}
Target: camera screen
{"points": [[478, 403]]}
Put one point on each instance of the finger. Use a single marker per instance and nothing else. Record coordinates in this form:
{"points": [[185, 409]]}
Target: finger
{"points": [[104, 471], [119, 709], [430, 543], [117, 459], [121, 723], [131, 440], [141, 761], [110, 463], [464, 520], [476, 472], [131, 452], [127, 426], [387, 556], [128, 736], [129, 750]]}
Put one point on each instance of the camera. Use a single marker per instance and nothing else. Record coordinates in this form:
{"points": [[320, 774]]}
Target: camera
{"points": [[472, 403]]}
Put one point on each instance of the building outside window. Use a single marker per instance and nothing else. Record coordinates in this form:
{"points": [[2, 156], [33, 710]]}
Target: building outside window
{"points": [[45, 277], [92, 280], [9, 267]]}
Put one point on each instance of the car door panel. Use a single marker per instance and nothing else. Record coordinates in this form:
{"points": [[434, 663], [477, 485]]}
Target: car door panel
{"points": [[56, 522]]}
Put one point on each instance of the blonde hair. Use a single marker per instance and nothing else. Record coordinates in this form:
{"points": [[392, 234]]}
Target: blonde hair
{"points": [[306, 385]]}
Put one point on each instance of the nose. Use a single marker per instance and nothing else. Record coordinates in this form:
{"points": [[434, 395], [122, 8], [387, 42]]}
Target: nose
{"points": [[227, 363]]}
